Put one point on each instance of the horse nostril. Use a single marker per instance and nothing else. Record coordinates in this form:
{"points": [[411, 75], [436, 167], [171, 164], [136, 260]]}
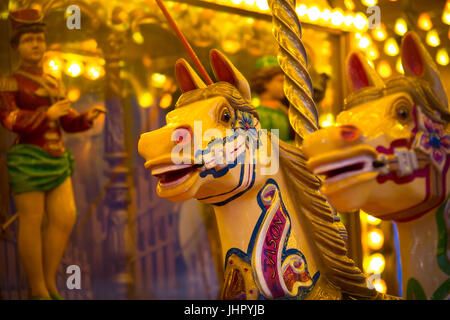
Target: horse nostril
{"points": [[182, 135], [349, 132]]}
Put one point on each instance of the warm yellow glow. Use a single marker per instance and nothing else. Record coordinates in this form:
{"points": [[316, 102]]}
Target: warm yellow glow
{"points": [[359, 21], [375, 263], [326, 120], [74, 69], [380, 285], [400, 26], [262, 5], [349, 4], [391, 47], [399, 66], [236, 1], [446, 13], [348, 20], [442, 57], [337, 18], [158, 80], [433, 38], [373, 53], [384, 69], [364, 42], [145, 99], [372, 220], [249, 2], [369, 3], [166, 101], [94, 72], [138, 38], [314, 13], [379, 33], [326, 15], [73, 94], [376, 239], [256, 102], [302, 10], [424, 22]]}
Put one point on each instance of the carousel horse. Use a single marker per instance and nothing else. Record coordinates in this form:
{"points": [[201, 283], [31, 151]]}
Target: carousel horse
{"points": [[389, 155], [278, 234]]}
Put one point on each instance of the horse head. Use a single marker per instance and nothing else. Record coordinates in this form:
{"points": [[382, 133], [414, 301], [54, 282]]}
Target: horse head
{"points": [[207, 149], [388, 153]]}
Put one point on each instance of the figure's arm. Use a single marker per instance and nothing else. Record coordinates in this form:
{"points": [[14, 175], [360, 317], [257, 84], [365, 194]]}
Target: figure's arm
{"points": [[15, 119], [75, 122]]}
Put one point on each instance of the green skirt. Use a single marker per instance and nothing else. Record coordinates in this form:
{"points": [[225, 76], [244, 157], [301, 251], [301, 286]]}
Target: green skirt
{"points": [[31, 168]]}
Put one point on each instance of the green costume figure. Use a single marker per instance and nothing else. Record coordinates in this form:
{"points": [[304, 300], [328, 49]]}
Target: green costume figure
{"points": [[267, 83]]}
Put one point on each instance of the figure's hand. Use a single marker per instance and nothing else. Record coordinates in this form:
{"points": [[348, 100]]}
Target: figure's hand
{"points": [[94, 112], [59, 109]]}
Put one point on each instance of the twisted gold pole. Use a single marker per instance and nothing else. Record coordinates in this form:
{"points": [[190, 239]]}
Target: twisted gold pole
{"points": [[292, 58]]}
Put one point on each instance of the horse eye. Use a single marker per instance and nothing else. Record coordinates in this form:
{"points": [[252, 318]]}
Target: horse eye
{"points": [[402, 113], [226, 116]]}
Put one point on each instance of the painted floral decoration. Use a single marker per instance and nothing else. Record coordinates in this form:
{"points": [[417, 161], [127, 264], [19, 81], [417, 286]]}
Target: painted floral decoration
{"points": [[434, 141]]}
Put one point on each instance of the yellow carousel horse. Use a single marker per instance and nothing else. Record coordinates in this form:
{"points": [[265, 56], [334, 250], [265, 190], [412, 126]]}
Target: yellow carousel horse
{"points": [[389, 155], [279, 236]]}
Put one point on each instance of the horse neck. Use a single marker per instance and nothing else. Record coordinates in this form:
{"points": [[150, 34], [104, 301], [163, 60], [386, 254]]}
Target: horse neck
{"points": [[418, 251], [237, 221]]}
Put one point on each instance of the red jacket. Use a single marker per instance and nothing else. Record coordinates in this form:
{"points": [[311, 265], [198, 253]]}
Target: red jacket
{"points": [[23, 110]]}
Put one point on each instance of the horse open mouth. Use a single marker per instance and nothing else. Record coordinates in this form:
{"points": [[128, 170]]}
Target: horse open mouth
{"points": [[346, 168], [170, 176]]}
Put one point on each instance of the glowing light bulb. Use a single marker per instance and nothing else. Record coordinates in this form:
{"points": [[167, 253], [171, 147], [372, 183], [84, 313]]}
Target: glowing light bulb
{"points": [[391, 47], [73, 95], [373, 53], [348, 21], [442, 57], [380, 33], [364, 42], [360, 21], [372, 220], [302, 10], [158, 80], [369, 3], [433, 38], [375, 263], [313, 13], [145, 99], [74, 69], [424, 22], [376, 239], [138, 38], [380, 285], [94, 72], [326, 15], [400, 26], [337, 18], [384, 69], [262, 5], [446, 14]]}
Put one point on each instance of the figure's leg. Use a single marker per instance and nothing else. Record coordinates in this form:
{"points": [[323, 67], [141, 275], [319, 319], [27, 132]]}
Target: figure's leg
{"points": [[30, 207], [61, 214]]}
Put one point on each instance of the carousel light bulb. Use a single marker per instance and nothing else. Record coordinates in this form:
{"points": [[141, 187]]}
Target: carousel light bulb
{"points": [[302, 10], [236, 1], [401, 26], [94, 72], [364, 42], [360, 21], [380, 33], [384, 69], [158, 80], [262, 5], [145, 99], [399, 66], [375, 263], [349, 4], [446, 13], [369, 3], [433, 38], [74, 69], [376, 239], [313, 13], [348, 21], [337, 18], [442, 57], [372, 220], [391, 47], [326, 15], [424, 22], [73, 94], [380, 285], [373, 53], [138, 38]]}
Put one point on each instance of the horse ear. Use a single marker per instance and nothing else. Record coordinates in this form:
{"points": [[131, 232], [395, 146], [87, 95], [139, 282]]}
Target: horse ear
{"points": [[360, 73], [418, 63], [224, 70], [187, 78]]}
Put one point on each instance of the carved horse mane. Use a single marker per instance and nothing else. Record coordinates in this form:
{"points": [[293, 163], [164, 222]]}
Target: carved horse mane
{"points": [[311, 207]]}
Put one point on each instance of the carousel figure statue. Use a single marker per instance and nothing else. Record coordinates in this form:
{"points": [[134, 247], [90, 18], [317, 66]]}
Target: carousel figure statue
{"points": [[33, 106]]}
